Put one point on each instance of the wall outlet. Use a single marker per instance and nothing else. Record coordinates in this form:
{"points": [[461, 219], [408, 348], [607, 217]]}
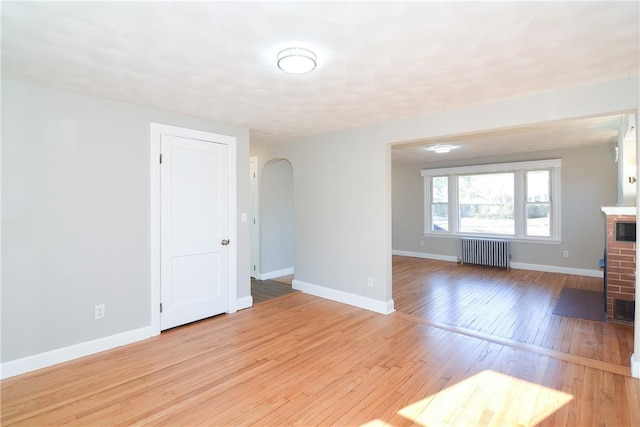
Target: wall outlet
{"points": [[99, 311], [370, 282], [421, 242], [566, 254]]}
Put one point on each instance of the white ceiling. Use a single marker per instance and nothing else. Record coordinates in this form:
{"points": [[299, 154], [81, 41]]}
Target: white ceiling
{"points": [[377, 61], [548, 136]]}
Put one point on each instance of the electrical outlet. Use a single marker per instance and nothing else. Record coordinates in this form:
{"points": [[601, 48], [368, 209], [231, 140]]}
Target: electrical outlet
{"points": [[99, 311], [566, 254], [421, 242], [370, 282]]}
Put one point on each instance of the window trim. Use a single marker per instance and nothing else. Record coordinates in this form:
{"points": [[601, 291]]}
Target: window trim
{"points": [[519, 169]]}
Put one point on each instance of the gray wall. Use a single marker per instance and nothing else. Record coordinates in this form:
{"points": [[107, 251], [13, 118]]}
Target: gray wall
{"points": [[276, 212], [75, 215], [588, 180], [341, 204]]}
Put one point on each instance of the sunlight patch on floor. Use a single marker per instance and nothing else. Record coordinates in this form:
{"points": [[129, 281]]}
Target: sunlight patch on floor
{"points": [[376, 423], [487, 398]]}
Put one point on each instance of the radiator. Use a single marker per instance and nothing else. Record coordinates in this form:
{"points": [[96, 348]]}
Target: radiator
{"points": [[483, 251]]}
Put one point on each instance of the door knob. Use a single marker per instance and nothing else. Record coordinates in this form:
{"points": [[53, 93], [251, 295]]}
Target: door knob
{"points": [[225, 242]]}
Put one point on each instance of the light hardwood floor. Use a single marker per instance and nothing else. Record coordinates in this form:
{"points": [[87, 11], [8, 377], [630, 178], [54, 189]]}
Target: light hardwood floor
{"points": [[514, 304], [302, 360]]}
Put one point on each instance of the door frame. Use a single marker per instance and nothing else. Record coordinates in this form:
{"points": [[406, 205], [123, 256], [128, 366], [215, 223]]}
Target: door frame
{"points": [[255, 216], [157, 130]]}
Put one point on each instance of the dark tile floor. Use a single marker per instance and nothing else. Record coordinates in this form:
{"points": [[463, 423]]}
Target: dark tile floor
{"points": [[264, 290]]}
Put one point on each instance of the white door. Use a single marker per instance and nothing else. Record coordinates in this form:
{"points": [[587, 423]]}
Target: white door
{"points": [[194, 230]]}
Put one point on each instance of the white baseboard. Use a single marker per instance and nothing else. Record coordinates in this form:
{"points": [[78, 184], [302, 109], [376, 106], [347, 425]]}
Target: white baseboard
{"points": [[60, 355], [451, 258], [244, 302], [635, 367], [557, 269], [383, 307], [274, 274], [514, 265]]}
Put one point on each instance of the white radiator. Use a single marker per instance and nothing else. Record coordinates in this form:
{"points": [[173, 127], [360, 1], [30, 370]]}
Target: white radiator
{"points": [[483, 251]]}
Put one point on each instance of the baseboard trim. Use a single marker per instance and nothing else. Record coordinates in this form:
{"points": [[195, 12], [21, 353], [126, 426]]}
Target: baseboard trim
{"points": [[514, 265], [382, 307], [557, 269], [244, 302], [425, 255], [274, 274], [635, 366], [65, 354]]}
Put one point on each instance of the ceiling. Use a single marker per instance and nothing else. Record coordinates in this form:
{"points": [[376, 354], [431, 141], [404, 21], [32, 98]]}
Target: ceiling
{"points": [[548, 136], [377, 61]]}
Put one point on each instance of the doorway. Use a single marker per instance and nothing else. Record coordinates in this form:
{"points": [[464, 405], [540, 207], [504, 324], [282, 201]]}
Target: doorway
{"points": [[193, 234], [276, 220], [255, 213]]}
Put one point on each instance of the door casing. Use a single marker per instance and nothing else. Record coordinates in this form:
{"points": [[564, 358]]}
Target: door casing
{"points": [[154, 166], [254, 225]]}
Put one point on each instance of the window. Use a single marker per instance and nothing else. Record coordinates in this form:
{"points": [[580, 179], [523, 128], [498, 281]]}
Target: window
{"points": [[538, 203], [439, 203], [510, 199], [486, 203]]}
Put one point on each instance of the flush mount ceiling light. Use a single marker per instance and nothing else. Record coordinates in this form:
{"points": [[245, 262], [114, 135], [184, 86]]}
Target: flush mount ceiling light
{"points": [[440, 148], [296, 60]]}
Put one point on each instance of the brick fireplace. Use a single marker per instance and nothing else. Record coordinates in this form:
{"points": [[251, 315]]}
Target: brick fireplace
{"points": [[620, 253]]}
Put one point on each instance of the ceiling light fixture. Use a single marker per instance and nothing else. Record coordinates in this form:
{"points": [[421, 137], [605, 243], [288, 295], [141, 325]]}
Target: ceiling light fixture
{"points": [[441, 148], [296, 60]]}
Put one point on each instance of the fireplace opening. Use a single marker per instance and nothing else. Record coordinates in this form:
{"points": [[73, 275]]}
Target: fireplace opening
{"points": [[625, 231], [624, 310]]}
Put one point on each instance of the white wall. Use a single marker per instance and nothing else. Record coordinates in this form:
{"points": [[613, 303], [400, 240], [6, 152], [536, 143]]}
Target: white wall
{"points": [[591, 168], [75, 215], [627, 162], [276, 213], [343, 181]]}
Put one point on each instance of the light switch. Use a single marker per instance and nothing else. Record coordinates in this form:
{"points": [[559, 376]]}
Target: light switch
{"points": [[243, 217]]}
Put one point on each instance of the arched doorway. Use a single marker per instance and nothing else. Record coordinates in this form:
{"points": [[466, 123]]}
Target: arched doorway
{"points": [[276, 219]]}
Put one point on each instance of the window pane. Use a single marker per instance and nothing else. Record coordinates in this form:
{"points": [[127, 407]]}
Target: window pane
{"points": [[538, 219], [440, 189], [486, 203], [440, 217], [538, 186]]}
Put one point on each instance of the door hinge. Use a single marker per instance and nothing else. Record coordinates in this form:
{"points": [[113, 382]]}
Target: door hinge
{"points": [[254, 268], [160, 307], [160, 158]]}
